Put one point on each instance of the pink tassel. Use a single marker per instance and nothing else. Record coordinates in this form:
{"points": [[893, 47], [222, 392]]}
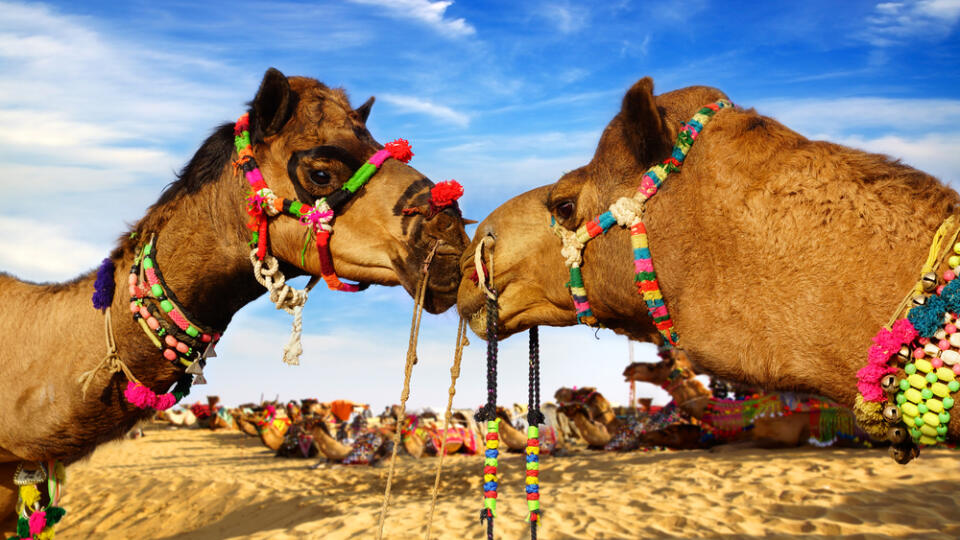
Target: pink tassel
{"points": [[139, 395], [38, 520], [165, 401]]}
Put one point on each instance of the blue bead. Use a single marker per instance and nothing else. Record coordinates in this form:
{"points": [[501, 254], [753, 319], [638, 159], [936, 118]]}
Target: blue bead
{"points": [[642, 253], [490, 486], [532, 458], [491, 453], [533, 488], [696, 125]]}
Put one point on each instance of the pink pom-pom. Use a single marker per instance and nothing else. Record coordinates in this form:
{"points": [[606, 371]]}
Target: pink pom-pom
{"points": [[868, 381], [139, 395], [904, 331], [165, 401], [400, 150], [37, 521]]}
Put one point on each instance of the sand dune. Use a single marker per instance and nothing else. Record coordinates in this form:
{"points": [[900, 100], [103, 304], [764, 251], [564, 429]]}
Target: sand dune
{"points": [[192, 484]]}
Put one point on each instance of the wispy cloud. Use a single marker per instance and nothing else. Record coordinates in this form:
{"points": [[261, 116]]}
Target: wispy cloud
{"points": [[894, 22], [841, 116], [422, 106], [935, 153], [42, 251], [430, 12], [564, 17]]}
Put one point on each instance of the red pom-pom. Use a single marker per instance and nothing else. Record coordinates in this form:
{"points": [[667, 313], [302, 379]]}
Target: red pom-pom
{"points": [[243, 124], [446, 193], [399, 150]]}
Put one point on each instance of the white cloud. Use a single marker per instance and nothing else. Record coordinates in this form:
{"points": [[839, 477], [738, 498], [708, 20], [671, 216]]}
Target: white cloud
{"points": [[895, 22], [422, 106], [935, 154], [430, 12], [43, 251], [565, 18], [852, 115]]}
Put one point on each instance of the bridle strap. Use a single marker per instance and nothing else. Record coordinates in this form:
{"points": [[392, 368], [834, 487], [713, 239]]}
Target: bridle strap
{"points": [[628, 212]]}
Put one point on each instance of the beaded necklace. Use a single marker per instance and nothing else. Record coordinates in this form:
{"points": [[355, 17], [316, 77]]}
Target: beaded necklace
{"points": [[907, 388], [628, 212]]}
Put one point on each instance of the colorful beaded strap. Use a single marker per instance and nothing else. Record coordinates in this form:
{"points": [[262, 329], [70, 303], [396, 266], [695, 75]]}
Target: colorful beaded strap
{"points": [[263, 202], [906, 389], [34, 520], [628, 212]]}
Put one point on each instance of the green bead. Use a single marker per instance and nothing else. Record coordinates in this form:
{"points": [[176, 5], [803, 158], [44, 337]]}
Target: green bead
{"points": [[922, 408], [941, 438], [953, 386], [947, 403], [931, 377], [192, 331], [166, 306], [156, 290], [147, 262], [901, 398], [904, 385], [926, 393], [918, 421], [944, 417], [941, 430], [910, 369], [915, 433], [148, 249]]}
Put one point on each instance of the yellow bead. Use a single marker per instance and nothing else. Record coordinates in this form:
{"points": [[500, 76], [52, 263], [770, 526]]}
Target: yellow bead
{"points": [[917, 381], [939, 389], [531, 480], [935, 405], [909, 410], [929, 441], [533, 450], [953, 261], [492, 444], [912, 394], [956, 248], [489, 478], [929, 431], [931, 419], [945, 374], [923, 365]]}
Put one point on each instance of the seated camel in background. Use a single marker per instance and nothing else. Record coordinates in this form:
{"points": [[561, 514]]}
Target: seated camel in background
{"points": [[591, 413], [784, 426], [779, 258], [307, 142]]}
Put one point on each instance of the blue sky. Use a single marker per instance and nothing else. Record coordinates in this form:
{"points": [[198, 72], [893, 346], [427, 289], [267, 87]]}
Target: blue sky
{"points": [[101, 101]]}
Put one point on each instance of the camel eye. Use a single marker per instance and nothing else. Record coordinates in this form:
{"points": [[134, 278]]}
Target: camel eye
{"points": [[320, 177], [564, 210]]}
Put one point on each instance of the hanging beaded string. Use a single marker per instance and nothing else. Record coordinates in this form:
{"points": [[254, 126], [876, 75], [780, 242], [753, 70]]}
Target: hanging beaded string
{"points": [[628, 212], [263, 203], [35, 521], [534, 419], [489, 414]]}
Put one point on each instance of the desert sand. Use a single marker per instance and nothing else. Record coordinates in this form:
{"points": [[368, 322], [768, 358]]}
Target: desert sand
{"points": [[192, 484]]}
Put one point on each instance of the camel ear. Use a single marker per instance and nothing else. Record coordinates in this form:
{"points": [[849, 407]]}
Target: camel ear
{"points": [[363, 111], [644, 127], [273, 106]]}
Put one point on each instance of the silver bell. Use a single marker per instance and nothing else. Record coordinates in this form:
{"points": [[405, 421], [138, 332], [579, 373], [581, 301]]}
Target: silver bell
{"points": [[891, 413], [929, 281], [903, 355], [889, 383], [897, 434], [919, 300]]}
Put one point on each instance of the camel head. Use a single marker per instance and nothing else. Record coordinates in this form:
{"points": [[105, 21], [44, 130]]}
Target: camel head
{"points": [[308, 141], [650, 372], [529, 271]]}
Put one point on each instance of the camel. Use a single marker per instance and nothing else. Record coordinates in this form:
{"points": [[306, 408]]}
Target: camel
{"points": [[308, 141], [778, 257], [595, 433], [781, 429]]}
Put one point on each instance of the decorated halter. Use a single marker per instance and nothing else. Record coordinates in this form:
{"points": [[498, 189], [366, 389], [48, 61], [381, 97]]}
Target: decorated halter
{"points": [[910, 382], [628, 212], [264, 203]]}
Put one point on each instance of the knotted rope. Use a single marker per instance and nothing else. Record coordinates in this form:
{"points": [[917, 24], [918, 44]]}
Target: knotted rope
{"points": [[454, 375], [407, 372], [111, 362], [267, 272]]}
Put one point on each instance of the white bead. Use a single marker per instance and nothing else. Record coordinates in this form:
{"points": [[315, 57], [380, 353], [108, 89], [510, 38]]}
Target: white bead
{"points": [[931, 350], [955, 339], [950, 357], [940, 334]]}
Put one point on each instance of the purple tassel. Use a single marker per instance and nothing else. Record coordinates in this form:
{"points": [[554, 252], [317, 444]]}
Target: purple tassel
{"points": [[103, 287]]}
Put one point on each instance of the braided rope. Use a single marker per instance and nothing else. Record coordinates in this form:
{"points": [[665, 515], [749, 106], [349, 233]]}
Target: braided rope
{"points": [[488, 412], [267, 272], [534, 419], [454, 375]]}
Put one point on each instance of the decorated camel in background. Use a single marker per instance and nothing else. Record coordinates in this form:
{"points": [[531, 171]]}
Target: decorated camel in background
{"points": [[777, 258], [763, 420], [307, 155]]}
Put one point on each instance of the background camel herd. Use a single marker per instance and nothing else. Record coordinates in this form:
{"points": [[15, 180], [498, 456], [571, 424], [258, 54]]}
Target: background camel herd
{"points": [[779, 258]]}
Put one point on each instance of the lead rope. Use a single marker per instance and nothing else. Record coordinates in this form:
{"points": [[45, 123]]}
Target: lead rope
{"points": [[407, 371], [454, 375], [267, 272], [534, 419], [489, 414]]}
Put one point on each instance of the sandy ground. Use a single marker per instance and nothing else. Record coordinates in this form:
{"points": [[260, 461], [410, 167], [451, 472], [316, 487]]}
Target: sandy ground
{"points": [[192, 484]]}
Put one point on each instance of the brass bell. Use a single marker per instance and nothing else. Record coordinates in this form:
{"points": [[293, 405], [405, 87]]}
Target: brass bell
{"points": [[889, 383], [919, 300], [902, 454], [897, 434], [891, 413], [903, 355], [929, 281]]}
